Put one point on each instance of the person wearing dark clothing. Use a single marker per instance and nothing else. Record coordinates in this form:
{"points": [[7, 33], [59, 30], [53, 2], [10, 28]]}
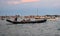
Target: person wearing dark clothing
{"points": [[16, 19]]}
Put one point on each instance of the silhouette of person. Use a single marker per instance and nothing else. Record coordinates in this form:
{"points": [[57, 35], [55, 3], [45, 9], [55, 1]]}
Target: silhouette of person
{"points": [[16, 19]]}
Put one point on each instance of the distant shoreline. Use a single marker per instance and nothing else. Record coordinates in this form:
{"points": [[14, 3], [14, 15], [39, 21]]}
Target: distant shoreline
{"points": [[48, 17]]}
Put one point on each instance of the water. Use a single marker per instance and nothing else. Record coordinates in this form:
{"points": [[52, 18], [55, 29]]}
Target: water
{"points": [[50, 28]]}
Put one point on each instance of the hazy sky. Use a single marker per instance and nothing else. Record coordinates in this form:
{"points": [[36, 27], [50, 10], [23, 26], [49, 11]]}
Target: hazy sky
{"points": [[29, 7]]}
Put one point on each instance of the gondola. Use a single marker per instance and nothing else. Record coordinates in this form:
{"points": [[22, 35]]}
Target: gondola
{"points": [[24, 22]]}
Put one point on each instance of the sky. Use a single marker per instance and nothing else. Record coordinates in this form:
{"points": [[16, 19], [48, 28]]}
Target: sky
{"points": [[29, 7]]}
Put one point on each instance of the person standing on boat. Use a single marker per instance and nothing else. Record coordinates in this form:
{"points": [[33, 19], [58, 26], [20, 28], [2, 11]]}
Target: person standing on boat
{"points": [[15, 19]]}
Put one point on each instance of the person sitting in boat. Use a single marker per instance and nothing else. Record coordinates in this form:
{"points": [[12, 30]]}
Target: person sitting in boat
{"points": [[25, 20], [28, 20]]}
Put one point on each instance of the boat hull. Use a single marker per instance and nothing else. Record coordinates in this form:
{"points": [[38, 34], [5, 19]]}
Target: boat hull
{"points": [[17, 22]]}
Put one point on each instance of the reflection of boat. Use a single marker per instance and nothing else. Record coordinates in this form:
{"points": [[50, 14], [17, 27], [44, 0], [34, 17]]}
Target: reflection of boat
{"points": [[24, 22]]}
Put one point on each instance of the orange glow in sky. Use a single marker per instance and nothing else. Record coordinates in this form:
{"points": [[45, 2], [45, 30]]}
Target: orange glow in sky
{"points": [[21, 1], [30, 0]]}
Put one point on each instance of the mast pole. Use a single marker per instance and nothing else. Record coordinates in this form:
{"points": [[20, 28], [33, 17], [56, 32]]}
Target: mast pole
{"points": [[37, 11]]}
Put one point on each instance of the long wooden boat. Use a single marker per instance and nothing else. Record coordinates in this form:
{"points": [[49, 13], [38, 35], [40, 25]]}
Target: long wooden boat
{"points": [[24, 22]]}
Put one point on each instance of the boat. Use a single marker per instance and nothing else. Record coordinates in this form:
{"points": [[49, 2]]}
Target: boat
{"points": [[25, 22]]}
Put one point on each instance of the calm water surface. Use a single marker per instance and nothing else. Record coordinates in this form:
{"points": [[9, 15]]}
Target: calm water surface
{"points": [[50, 28]]}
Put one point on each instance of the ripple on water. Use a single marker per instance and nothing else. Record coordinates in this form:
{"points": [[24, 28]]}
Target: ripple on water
{"points": [[42, 29]]}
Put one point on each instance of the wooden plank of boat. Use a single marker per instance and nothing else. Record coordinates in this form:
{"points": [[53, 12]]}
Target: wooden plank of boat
{"points": [[24, 22]]}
